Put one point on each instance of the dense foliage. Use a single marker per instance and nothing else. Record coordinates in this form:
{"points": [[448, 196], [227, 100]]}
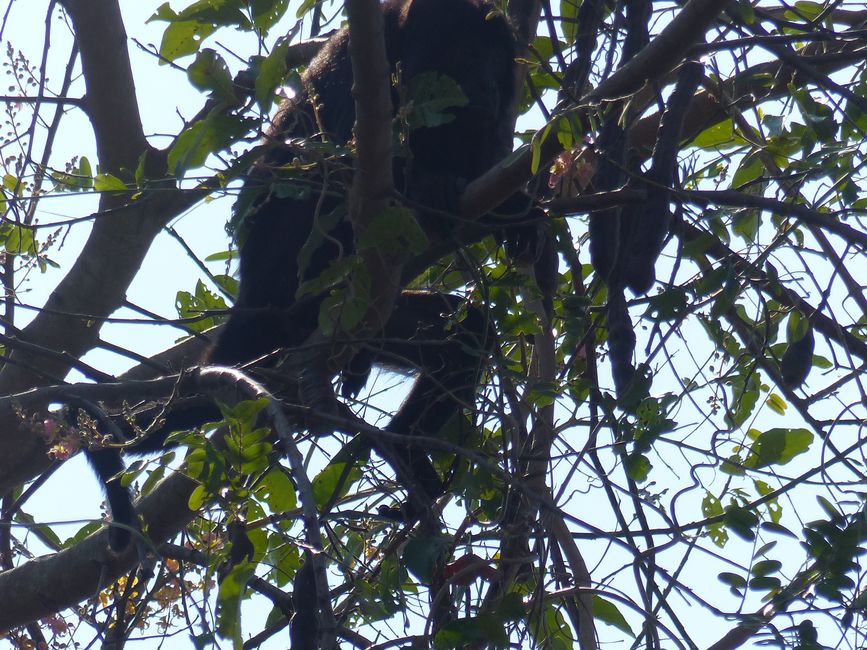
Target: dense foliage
{"points": [[715, 498]]}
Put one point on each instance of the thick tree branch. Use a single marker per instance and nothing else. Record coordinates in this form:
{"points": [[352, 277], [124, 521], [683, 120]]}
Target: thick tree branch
{"points": [[57, 581], [757, 84], [372, 188], [124, 239], [373, 183], [654, 61], [116, 246], [111, 100]]}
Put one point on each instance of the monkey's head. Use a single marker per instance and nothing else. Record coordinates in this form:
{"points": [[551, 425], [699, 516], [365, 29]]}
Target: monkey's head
{"points": [[474, 46]]}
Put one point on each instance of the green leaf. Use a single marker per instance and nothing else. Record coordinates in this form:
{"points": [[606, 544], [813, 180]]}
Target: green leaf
{"points": [[156, 475], [428, 97], [20, 240], [245, 412], [345, 307], [85, 531], [84, 168], [696, 248], [773, 125], [733, 465], [569, 129], [746, 222], [725, 299], [719, 136], [607, 612], [779, 529], [748, 12], [266, 13], [229, 597], [766, 568], [733, 580], [80, 177], [394, 231], [12, 183], [798, 327], [207, 466], [536, 146], [855, 120], [305, 7], [569, 22], [209, 72], [746, 397], [818, 116], [777, 404], [183, 38], [750, 169], [512, 607], [829, 508], [775, 510], [248, 457], [197, 497], [422, 554], [764, 549], [108, 183], [334, 481], [222, 256], [765, 583], [778, 446], [216, 12], [668, 305], [741, 522], [711, 507], [553, 632], [195, 305], [270, 75], [711, 281], [278, 491], [637, 466], [210, 135], [29, 521]]}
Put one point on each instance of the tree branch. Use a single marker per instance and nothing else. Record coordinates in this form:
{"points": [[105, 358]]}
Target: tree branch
{"points": [[55, 582], [654, 61]]}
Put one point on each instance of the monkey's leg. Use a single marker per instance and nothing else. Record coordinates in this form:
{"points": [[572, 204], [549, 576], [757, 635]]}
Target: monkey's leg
{"points": [[430, 334]]}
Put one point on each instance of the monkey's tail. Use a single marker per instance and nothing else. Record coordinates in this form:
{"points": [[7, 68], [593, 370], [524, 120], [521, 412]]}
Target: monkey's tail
{"points": [[140, 433], [621, 340]]}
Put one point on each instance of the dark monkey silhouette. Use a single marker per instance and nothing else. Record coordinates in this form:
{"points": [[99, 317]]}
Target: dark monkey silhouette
{"points": [[292, 227], [625, 242]]}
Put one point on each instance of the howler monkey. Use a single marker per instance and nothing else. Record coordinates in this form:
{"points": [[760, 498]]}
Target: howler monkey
{"points": [[292, 225], [625, 242]]}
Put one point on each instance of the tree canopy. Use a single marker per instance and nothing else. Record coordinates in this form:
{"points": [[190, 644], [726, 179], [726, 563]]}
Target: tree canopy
{"points": [[679, 467]]}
